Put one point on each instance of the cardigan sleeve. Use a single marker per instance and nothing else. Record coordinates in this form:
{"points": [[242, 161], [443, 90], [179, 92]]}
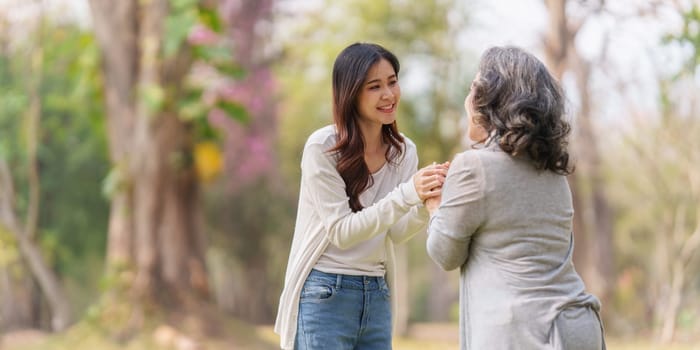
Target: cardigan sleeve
{"points": [[417, 219], [460, 214], [326, 188]]}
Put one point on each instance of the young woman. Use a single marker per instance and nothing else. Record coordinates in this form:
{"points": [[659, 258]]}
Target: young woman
{"points": [[505, 216], [360, 194]]}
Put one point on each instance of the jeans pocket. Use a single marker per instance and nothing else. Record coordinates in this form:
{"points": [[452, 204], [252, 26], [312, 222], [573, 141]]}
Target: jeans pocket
{"points": [[316, 291], [386, 292]]}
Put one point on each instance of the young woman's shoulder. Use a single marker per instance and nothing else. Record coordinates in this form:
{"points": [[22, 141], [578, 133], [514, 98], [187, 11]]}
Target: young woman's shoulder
{"points": [[315, 155], [325, 136], [409, 145]]}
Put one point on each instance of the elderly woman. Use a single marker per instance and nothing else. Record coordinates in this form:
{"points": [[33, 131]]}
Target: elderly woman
{"points": [[505, 215]]}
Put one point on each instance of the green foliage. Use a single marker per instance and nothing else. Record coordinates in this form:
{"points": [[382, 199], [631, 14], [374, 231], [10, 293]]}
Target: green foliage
{"points": [[191, 106], [153, 97], [183, 16], [690, 37], [72, 153], [234, 111], [9, 252], [210, 49], [220, 56], [210, 17], [115, 181]]}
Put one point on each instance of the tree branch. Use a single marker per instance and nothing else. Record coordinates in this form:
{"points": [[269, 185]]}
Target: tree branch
{"points": [[61, 316]]}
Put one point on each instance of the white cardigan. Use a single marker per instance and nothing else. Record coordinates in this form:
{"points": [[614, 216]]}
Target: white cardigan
{"points": [[324, 217]]}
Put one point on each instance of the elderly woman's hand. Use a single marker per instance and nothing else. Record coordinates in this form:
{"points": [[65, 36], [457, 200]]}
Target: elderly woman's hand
{"points": [[433, 203]]}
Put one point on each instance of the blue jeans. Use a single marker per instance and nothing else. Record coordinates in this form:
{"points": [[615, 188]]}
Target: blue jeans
{"points": [[343, 312]]}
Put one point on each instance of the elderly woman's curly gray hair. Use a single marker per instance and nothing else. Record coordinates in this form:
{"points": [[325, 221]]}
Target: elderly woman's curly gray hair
{"points": [[522, 107]]}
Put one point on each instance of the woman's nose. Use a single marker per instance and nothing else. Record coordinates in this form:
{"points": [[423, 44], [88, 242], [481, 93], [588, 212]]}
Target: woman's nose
{"points": [[388, 94]]}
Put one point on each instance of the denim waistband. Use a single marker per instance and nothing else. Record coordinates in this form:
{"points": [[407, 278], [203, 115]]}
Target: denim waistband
{"points": [[348, 281]]}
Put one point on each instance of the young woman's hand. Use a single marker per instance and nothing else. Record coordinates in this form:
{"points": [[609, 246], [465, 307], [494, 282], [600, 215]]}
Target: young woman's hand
{"points": [[428, 180]]}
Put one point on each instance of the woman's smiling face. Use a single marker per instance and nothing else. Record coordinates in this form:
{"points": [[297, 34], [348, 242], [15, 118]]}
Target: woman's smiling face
{"points": [[380, 95]]}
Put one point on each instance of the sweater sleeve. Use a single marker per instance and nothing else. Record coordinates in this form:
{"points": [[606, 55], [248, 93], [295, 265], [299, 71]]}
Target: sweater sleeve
{"points": [[417, 219], [460, 214], [326, 189]]}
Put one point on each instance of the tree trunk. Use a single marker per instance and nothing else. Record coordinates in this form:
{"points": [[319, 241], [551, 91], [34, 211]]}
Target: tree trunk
{"points": [[593, 254], [153, 227], [116, 30], [670, 313], [679, 259], [15, 298], [48, 281]]}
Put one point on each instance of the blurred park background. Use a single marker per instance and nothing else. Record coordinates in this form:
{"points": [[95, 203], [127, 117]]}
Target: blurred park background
{"points": [[150, 151]]}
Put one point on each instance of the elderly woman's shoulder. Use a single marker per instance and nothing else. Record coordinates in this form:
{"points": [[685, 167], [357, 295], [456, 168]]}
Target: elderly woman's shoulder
{"points": [[479, 158], [467, 160], [470, 155]]}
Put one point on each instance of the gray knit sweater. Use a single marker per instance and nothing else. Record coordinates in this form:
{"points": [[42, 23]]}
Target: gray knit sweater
{"points": [[508, 227]]}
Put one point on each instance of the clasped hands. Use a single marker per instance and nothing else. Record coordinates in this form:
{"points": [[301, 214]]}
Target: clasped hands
{"points": [[428, 182]]}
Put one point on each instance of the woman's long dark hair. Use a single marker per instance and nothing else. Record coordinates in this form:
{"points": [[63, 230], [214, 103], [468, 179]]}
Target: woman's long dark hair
{"points": [[521, 106], [349, 74]]}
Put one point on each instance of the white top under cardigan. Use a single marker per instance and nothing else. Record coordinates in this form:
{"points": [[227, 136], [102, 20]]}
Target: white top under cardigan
{"points": [[324, 217], [368, 257]]}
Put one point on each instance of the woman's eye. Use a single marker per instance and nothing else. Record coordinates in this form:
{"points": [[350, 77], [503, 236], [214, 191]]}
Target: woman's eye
{"points": [[393, 83], [374, 87]]}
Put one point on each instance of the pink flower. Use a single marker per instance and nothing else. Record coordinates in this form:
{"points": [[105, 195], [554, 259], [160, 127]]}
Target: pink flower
{"points": [[202, 35], [250, 162]]}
